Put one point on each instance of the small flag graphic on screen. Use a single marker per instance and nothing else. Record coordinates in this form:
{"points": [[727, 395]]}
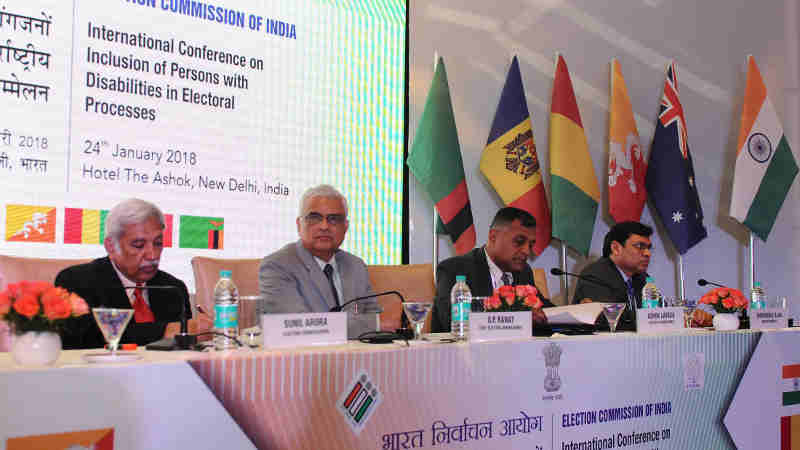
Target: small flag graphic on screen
{"points": [[790, 432], [84, 226], [88, 226], [30, 223], [359, 402], [791, 387], [102, 439], [202, 232]]}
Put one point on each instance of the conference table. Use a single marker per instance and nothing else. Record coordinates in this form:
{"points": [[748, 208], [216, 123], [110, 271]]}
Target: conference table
{"points": [[689, 389]]}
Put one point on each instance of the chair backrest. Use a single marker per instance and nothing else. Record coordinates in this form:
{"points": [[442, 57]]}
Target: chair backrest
{"points": [[14, 269], [414, 281], [540, 279], [206, 273]]}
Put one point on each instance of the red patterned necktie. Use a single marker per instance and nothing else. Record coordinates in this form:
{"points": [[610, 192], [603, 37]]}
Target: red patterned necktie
{"points": [[141, 312]]}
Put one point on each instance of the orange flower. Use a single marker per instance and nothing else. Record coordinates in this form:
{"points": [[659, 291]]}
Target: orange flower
{"points": [[492, 302], [5, 303], [533, 301], [79, 306], [13, 290], [727, 302], [56, 303], [27, 305], [36, 288]]}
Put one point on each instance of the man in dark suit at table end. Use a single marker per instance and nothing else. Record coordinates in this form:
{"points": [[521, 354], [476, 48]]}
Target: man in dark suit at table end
{"points": [[503, 260], [134, 240], [313, 274], [622, 271]]}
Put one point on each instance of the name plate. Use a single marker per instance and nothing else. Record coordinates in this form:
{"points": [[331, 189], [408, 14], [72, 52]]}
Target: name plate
{"points": [[653, 320], [299, 329], [766, 318], [498, 326]]}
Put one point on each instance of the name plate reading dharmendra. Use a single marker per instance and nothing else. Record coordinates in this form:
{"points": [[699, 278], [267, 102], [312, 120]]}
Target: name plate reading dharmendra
{"points": [[498, 326], [299, 329]]}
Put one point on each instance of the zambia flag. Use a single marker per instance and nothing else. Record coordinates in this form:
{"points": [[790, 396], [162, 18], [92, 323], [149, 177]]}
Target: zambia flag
{"points": [[510, 162], [765, 164], [201, 232], [435, 161], [25, 223], [573, 182]]}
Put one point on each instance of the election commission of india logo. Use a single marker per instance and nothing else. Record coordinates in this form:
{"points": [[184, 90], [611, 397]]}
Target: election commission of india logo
{"points": [[552, 359], [359, 401]]}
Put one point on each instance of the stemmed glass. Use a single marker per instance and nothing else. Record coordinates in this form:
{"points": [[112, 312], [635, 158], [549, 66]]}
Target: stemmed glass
{"points": [[612, 312], [417, 312], [112, 322]]}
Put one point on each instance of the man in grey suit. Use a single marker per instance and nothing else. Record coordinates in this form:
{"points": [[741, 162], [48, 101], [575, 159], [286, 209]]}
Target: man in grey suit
{"points": [[313, 274]]}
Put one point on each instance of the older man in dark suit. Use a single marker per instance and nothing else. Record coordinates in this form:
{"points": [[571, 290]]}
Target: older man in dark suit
{"points": [[129, 278], [502, 261]]}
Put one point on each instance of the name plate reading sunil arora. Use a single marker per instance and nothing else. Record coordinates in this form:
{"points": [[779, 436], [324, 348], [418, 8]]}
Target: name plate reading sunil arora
{"points": [[300, 329]]}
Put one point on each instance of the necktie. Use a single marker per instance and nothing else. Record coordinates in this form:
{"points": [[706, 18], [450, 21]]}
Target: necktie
{"points": [[329, 274], [506, 279], [141, 312], [631, 295]]}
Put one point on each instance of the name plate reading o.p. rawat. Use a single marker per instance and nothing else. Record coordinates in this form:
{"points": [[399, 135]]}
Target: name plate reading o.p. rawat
{"points": [[653, 320], [498, 326], [299, 329], [761, 319]]}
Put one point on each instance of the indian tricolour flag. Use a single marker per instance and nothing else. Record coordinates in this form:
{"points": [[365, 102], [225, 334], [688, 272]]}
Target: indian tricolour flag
{"points": [[790, 425], [765, 164]]}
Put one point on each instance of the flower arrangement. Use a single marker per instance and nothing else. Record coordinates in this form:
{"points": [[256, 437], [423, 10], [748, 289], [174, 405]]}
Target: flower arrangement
{"points": [[39, 306], [513, 298], [725, 300]]}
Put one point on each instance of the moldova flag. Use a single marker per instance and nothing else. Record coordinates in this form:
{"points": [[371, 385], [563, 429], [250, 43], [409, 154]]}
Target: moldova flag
{"points": [[670, 177], [510, 162], [573, 182], [26, 223], [765, 164], [435, 161], [201, 232], [626, 164]]}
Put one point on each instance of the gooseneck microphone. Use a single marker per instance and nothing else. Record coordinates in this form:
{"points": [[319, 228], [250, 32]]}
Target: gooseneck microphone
{"points": [[183, 340], [588, 278], [703, 282], [339, 308]]}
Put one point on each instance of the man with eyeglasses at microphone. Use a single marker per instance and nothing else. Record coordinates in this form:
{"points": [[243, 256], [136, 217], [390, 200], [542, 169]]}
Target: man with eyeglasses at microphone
{"points": [[129, 278], [621, 273], [313, 274]]}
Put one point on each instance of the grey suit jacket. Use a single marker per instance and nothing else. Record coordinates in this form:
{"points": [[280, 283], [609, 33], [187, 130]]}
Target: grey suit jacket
{"points": [[291, 281]]}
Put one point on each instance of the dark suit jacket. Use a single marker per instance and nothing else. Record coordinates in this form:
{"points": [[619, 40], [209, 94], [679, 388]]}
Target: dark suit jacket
{"points": [[605, 271], [475, 267], [97, 282]]}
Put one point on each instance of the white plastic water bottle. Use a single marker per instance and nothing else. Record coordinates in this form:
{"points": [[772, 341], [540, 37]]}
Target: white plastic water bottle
{"points": [[460, 306], [651, 296], [226, 311], [758, 298]]}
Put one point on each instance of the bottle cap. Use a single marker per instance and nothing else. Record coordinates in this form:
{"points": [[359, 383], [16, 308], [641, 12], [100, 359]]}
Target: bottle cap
{"points": [[757, 284], [461, 278], [225, 273], [649, 280]]}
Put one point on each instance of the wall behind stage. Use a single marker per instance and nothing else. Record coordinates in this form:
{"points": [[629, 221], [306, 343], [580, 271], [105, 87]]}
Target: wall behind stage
{"points": [[709, 41]]}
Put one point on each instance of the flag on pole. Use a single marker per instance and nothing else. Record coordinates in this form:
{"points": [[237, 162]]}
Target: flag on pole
{"points": [[573, 183], [435, 161], [670, 177], [30, 223], [765, 165], [509, 160], [626, 165], [202, 232]]}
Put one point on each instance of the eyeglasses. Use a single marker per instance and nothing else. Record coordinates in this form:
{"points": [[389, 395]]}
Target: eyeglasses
{"points": [[315, 218], [641, 246]]}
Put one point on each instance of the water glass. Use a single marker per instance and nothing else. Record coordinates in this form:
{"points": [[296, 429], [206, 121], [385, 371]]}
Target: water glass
{"points": [[477, 304], [778, 302], [251, 307]]}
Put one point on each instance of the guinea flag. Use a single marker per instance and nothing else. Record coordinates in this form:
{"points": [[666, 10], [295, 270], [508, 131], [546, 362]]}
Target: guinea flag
{"points": [[201, 232], [435, 161], [765, 165], [573, 182], [509, 160]]}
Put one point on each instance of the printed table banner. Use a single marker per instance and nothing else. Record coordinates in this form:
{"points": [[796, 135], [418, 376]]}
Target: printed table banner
{"points": [[667, 391]]}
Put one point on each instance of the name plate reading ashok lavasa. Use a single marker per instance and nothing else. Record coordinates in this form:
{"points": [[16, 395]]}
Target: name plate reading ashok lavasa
{"points": [[300, 329]]}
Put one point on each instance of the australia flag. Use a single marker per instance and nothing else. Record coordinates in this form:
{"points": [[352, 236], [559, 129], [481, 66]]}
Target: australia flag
{"points": [[670, 178]]}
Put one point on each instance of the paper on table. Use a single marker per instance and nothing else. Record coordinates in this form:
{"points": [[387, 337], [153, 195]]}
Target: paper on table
{"points": [[584, 313]]}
